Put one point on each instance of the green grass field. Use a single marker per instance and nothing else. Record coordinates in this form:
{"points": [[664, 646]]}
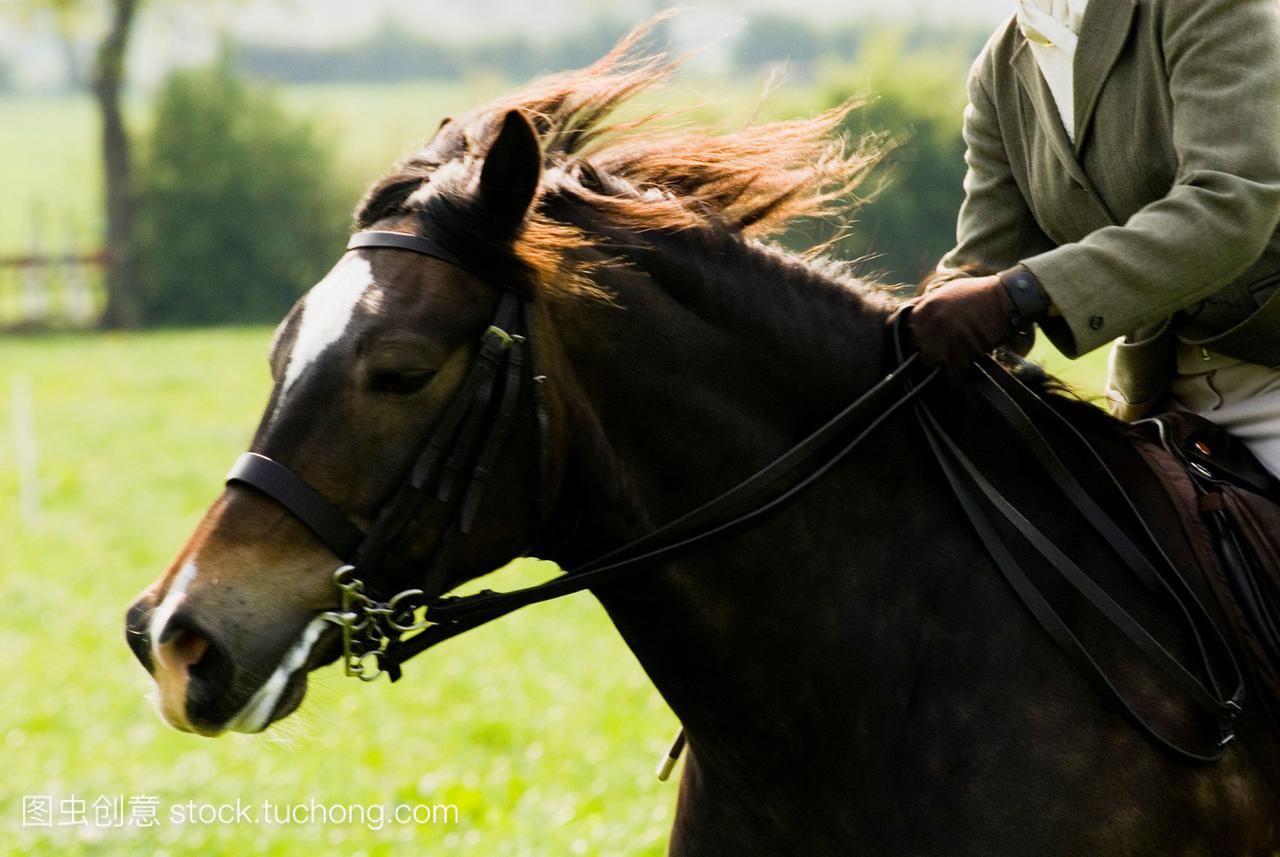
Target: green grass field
{"points": [[541, 728]]}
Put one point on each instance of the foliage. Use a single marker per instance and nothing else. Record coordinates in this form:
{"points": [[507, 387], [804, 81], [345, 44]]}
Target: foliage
{"points": [[393, 55], [239, 210], [916, 104], [775, 37]]}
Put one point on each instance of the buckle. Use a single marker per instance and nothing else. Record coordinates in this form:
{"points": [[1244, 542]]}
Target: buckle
{"points": [[368, 626], [506, 339]]}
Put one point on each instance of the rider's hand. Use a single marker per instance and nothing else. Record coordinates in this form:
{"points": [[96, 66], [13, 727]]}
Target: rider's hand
{"points": [[956, 322]]}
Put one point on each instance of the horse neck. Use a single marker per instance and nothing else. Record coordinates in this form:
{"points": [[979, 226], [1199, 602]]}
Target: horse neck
{"points": [[714, 356], [695, 379]]}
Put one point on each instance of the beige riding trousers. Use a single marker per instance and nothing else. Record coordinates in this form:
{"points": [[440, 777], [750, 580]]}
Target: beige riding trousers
{"points": [[1243, 398]]}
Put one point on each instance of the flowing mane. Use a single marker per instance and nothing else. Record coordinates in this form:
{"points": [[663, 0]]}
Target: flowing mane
{"points": [[643, 175]]}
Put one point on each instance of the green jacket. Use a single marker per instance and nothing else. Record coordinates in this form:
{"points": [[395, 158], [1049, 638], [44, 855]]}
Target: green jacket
{"points": [[1160, 221]]}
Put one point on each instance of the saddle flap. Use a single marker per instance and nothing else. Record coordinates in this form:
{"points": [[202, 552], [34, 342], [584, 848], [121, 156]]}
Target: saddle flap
{"points": [[1230, 510]]}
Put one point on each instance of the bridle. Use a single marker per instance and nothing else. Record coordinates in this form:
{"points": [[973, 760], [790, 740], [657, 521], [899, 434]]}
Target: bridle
{"points": [[454, 466]]}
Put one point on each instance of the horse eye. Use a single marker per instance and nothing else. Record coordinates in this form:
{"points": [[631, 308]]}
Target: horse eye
{"points": [[398, 383]]}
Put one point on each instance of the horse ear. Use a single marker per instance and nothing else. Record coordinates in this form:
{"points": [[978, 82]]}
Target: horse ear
{"points": [[511, 172]]}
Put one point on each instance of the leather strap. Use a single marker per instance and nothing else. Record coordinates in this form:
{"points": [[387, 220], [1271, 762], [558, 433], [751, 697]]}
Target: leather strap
{"points": [[716, 517], [1006, 393], [962, 476], [435, 476], [976, 494], [543, 417], [284, 486], [483, 468], [419, 244]]}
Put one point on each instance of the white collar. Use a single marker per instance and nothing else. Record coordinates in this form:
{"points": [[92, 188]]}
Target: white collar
{"points": [[1054, 23]]}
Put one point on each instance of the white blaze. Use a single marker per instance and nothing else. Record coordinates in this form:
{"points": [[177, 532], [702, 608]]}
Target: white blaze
{"points": [[160, 618], [326, 314]]}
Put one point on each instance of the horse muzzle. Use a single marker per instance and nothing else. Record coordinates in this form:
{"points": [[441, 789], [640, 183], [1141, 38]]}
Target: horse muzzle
{"points": [[205, 686]]}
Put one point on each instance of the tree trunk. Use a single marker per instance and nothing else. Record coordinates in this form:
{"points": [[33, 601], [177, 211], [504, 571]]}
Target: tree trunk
{"points": [[122, 309]]}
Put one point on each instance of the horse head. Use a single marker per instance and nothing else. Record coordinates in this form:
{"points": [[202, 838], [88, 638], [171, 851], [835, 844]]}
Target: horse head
{"points": [[516, 235], [364, 366]]}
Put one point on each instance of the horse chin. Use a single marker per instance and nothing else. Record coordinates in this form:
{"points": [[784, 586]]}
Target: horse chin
{"points": [[283, 691]]}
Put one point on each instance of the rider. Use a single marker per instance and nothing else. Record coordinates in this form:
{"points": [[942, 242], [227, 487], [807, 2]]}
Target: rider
{"points": [[1124, 180]]}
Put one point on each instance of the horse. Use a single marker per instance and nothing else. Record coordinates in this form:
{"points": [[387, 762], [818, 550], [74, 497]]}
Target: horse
{"points": [[851, 672]]}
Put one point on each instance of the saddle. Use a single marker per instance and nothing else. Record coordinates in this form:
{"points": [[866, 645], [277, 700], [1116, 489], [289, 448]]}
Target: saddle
{"points": [[1229, 506]]}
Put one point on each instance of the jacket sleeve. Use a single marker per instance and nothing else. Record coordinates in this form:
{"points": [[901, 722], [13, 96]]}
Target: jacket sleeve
{"points": [[995, 229], [1223, 63]]}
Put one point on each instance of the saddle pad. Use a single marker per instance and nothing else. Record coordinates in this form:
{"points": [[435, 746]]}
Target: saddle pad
{"points": [[1257, 528]]}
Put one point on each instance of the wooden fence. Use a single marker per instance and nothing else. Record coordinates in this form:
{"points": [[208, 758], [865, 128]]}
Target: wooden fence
{"points": [[54, 284]]}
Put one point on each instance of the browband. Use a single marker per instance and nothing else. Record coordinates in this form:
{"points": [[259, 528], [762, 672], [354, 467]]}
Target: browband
{"points": [[403, 241]]}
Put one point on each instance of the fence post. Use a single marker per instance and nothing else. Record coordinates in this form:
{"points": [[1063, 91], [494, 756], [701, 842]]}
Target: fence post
{"points": [[77, 298], [24, 446], [35, 292]]}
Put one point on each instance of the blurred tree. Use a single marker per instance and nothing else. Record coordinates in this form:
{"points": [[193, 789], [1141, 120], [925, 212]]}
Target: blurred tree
{"points": [[239, 207], [392, 54], [122, 309], [111, 22], [916, 101], [388, 54], [844, 41], [772, 38], [592, 41]]}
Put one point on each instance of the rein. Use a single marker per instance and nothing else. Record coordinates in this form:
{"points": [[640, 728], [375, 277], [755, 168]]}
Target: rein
{"points": [[456, 461], [1012, 400], [379, 636]]}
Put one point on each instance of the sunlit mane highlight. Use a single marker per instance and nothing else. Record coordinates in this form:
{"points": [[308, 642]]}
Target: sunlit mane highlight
{"points": [[650, 173]]}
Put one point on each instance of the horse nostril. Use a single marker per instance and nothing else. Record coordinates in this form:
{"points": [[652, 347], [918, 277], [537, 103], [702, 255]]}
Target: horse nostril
{"points": [[184, 645], [193, 672], [180, 645], [186, 648]]}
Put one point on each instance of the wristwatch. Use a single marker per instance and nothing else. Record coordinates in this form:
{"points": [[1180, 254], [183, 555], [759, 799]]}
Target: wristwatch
{"points": [[1030, 303]]}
